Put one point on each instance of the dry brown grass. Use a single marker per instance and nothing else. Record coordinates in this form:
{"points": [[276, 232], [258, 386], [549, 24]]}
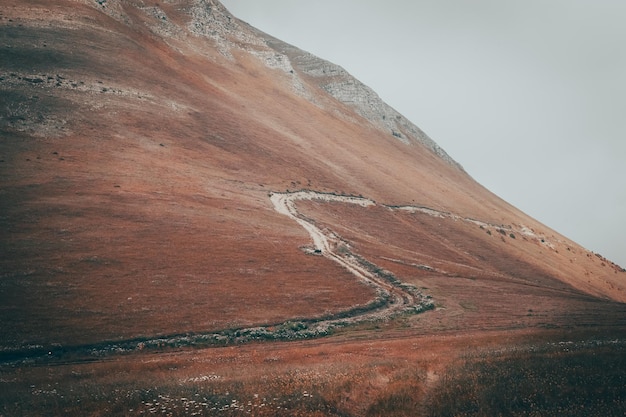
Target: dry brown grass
{"points": [[497, 373], [562, 379], [134, 180]]}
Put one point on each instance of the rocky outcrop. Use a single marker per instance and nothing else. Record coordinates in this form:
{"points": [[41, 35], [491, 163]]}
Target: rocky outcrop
{"points": [[211, 20], [306, 71], [350, 91]]}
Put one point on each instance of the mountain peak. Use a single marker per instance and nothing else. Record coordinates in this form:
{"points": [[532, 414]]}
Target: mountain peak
{"points": [[211, 20]]}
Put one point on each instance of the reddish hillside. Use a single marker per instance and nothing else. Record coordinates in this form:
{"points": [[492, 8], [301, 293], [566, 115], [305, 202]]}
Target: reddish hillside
{"points": [[140, 145]]}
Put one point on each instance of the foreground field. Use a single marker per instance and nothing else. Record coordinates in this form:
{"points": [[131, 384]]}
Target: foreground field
{"points": [[546, 373]]}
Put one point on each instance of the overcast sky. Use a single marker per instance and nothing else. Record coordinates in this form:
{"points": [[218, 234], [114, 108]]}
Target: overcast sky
{"points": [[529, 96]]}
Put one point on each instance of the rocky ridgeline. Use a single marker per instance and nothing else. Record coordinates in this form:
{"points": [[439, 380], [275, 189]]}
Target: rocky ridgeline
{"points": [[345, 88], [211, 20]]}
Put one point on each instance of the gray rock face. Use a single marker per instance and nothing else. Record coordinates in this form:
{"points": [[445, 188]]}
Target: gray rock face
{"points": [[350, 91], [211, 20]]}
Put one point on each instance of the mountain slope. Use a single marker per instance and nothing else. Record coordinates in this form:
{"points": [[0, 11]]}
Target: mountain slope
{"points": [[198, 219], [141, 144]]}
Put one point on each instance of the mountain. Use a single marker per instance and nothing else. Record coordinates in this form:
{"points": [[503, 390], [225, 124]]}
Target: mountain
{"points": [[172, 177]]}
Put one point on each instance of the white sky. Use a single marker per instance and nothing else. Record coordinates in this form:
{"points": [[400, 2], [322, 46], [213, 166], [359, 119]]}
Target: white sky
{"points": [[529, 96]]}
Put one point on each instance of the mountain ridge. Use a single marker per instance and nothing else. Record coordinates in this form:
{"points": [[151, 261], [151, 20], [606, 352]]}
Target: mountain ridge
{"points": [[328, 76]]}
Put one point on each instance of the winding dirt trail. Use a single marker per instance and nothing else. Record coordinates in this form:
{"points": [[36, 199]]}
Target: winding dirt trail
{"points": [[395, 297]]}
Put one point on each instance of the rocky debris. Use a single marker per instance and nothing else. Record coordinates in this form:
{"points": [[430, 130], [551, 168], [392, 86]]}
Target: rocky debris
{"points": [[211, 20]]}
